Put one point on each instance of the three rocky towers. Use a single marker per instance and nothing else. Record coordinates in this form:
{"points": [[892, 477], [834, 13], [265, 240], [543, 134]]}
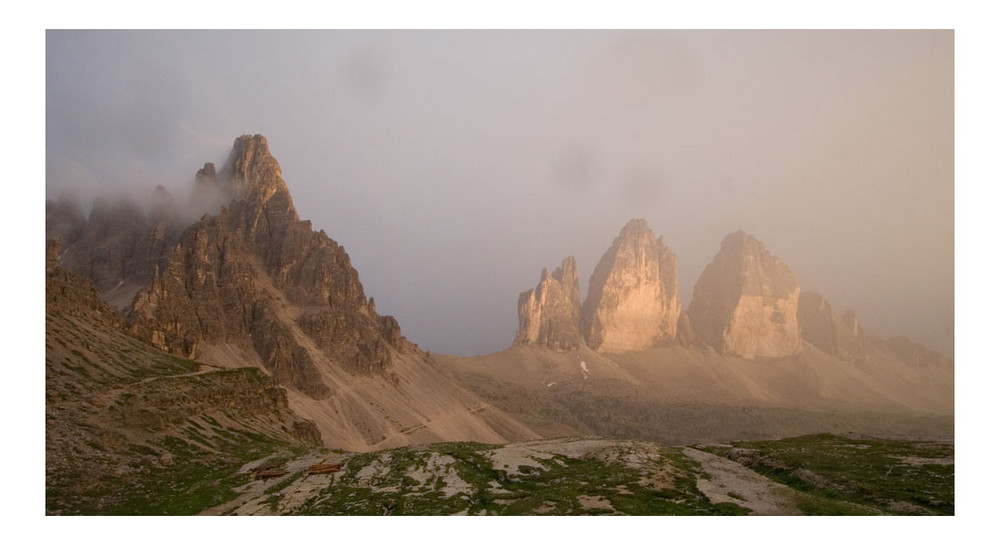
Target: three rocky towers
{"points": [[746, 303]]}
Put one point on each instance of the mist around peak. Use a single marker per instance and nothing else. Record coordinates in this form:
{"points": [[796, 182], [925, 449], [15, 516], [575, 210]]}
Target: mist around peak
{"points": [[452, 191]]}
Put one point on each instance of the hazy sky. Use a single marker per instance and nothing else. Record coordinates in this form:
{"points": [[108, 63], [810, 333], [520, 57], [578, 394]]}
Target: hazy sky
{"points": [[453, 166]]}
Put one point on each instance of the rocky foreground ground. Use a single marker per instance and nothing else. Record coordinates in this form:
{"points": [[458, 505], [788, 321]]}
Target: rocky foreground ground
{"points": [[820, 475]]}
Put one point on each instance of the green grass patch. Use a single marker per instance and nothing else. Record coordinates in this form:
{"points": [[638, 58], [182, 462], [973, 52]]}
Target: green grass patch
{"points": [[555, 488], [857, 475]]}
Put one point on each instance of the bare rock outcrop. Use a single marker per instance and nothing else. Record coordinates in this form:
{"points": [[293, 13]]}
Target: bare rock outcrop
{"points": [[255, 276], [549, 315], [745, 302], [911, 352], [839, 335], [72, 295], [106, 250], [633, 301], [119, 245]]}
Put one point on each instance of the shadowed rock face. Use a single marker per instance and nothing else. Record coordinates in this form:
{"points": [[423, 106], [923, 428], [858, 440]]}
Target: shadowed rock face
{"points": [[745, 302], [72, 295], [64, 220], [633, 301], [257, 277], [549, 315], [119, 246], [685, 334], [840, 336], [107, 249]]}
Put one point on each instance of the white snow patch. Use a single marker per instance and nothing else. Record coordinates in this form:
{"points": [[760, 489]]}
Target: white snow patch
{"points": [[551, 384]]}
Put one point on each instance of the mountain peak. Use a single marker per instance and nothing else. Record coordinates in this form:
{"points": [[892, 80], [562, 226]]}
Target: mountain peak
{"points": [[549, 315], [633, 301], [206, 172], [741, 241], [745, 302], [251, 148], [635, 227], [252, 172], [255, 277], [566, 275]]}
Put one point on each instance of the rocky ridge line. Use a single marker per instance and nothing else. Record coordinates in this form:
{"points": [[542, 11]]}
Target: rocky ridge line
{"points": [[256, 277]]}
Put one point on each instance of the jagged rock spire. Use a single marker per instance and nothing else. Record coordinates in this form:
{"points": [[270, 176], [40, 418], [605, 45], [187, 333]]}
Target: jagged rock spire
{"points": [[633, 301], [255, 277], [252, 173], [549, 315]]}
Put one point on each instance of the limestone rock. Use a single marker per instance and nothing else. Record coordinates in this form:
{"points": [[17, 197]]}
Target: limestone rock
{"points": [[256, 277], [71, 295], [633, 301], [745, 302], [206, 173], [119, 245], [839, 335], [105, 251], [549, 315], [911, 352], [685, 334], [53, 247]]}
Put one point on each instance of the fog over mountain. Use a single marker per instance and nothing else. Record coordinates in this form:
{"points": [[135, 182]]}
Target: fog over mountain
{"points": [[453, 166]]}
